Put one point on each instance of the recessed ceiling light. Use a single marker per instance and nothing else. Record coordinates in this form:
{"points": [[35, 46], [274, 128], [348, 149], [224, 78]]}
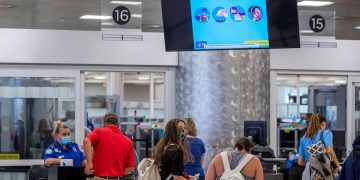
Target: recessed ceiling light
{"points": [[126, 2], [357, 27], [100, 77], [306, 31], [98, 17], [6, 6], [315, 3], [146, 77], [340, 81], [338, 17]]}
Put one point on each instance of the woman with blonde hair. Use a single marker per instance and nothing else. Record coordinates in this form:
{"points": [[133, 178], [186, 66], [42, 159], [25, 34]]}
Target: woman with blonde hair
{"points": [[63, 148], [197, 148]]}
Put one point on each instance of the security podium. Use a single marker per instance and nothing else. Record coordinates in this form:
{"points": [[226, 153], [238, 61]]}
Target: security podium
{"points": [[66, 173]]}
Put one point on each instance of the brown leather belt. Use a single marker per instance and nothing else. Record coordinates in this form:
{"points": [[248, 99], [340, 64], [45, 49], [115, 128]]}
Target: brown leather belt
{"points": [[112, 177]]}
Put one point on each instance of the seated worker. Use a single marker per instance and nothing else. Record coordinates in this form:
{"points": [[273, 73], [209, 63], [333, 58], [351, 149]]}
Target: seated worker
{"points": [[351, 167], [251, 171], [63, 148]]}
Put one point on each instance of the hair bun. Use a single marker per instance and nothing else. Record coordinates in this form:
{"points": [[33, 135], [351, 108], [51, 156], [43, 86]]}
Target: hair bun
{"points": [[57, 124]]}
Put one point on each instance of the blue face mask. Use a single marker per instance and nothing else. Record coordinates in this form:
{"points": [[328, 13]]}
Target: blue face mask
{"points": [[65, 140]]}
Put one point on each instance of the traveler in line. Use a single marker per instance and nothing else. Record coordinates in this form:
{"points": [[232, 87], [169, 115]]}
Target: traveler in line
{"points": [[170, 153], [197, 150], [351, 167], [251, 171], [312, 136], [113, 152], [323, 123]]}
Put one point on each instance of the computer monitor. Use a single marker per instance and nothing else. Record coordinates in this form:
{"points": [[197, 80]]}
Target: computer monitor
{"points": [[257, 131]]}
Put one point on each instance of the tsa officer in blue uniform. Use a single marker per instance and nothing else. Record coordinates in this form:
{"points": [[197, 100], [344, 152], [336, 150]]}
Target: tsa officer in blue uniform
{"points": [[63, 148]]}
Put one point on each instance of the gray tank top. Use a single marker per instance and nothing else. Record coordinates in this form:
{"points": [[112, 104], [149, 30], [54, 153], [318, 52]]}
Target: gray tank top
{"points": [[235, 161]]}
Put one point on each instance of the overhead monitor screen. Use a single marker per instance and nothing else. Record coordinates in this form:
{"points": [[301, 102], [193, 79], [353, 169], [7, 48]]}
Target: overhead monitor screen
{"points": [[230, 24]]}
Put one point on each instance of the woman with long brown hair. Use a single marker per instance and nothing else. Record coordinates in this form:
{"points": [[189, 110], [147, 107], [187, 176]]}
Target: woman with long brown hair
{"points": [[170, 153], [312, 136]]}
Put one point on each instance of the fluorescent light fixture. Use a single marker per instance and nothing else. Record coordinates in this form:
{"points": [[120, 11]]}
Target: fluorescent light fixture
{"points": [[340, 81], [6, 6], [315, 3], [338, 17], [97, 17], [100, 77], [126, 2], [306, 31], [136, 15], [357, 27], [146, 77]]}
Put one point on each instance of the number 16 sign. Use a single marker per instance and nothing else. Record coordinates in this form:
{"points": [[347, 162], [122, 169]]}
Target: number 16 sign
{"points": [[121, 15]]}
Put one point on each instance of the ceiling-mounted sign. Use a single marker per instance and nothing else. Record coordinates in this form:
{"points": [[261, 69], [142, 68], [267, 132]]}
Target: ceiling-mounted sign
{"points": [[121, 15], [317, 23], [118, 14]]}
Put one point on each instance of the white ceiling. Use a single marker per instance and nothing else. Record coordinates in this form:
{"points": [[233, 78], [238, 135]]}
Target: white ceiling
{"points": [[64, 15]]}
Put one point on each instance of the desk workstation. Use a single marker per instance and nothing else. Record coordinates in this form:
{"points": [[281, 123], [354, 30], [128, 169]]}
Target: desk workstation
{"points": [[289, 140], [273, 167], [66, 173]]}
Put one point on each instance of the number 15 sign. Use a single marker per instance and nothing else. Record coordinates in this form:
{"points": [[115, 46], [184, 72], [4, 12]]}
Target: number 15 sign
{"points": [[317, 23]]}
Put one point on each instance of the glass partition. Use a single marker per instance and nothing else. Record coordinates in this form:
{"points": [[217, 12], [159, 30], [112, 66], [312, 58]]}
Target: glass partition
{"points": [[28, 108], [301, 94], [136, 97]]}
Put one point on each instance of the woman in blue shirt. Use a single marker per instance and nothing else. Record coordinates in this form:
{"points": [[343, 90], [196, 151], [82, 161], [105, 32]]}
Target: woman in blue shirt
{"points": [[63, 148], [312, 136], [197, 147]]}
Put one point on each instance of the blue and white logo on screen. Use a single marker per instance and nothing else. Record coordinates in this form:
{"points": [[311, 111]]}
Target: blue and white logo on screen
{"points": [[220, 14], [202, 15], [201, 44], [255, 13], [237, 13]]}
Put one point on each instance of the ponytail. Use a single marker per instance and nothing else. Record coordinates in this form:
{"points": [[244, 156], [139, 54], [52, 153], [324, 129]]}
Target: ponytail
{"points": [[314, 126], [57, 125]]}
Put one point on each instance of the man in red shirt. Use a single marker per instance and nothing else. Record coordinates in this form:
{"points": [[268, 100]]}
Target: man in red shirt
{"points": [[113, 153]]}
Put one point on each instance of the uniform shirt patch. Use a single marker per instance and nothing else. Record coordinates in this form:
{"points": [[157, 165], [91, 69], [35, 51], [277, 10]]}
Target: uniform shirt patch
{"points": [[57, 150], [48, 151], [75, 150]]}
